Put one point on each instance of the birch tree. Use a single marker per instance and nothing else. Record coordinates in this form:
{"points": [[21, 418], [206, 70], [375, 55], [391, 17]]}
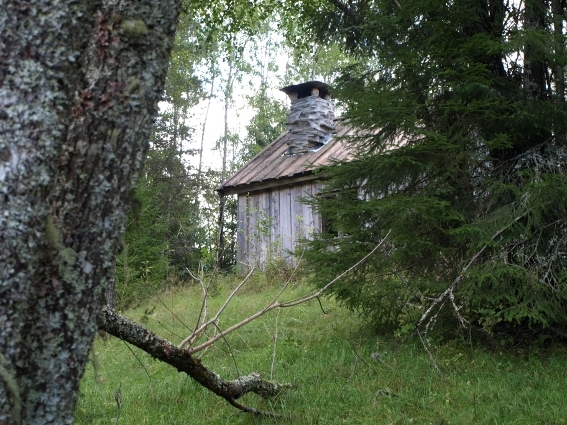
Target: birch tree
{"points": [[79, 86]]}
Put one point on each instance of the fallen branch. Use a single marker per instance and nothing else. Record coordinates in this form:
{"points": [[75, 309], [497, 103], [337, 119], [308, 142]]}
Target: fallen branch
{"points": [[183, 361]]}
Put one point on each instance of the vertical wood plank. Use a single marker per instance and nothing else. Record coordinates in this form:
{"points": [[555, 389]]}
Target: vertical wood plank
{"points": [[285, 214], [275, 235], [255, 227], [265, 202], [242, 232], [308, 211], [298, 214], [315, 188]]}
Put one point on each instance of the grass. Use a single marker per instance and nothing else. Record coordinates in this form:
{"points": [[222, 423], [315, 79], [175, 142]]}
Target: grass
{"points": [[329, 359]]}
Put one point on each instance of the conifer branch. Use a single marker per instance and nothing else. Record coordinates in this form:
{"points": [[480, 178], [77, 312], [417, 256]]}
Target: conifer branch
{"points": [[448, 294]]}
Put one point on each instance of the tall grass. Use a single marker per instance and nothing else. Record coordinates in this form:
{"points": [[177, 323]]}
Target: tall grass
{"points": [[343, 373]]}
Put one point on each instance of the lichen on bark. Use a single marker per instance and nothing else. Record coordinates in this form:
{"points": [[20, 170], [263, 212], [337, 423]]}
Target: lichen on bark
{"points": [[77, 99]]}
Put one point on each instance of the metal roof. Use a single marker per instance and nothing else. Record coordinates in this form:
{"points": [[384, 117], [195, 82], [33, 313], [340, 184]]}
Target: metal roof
{"points": [[271, 167]]}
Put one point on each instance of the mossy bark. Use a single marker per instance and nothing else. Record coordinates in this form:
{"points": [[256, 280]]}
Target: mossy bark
{"points": [[79, 86]]}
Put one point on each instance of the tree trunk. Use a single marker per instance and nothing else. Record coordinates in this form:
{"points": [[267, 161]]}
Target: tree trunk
{"points": [[201, 149], [79, 86], [534, 19], [224, 148], [558, 9]]}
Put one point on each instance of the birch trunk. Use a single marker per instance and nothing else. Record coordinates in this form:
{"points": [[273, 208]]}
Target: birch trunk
{"points": [[79, 86], [224, 148]]}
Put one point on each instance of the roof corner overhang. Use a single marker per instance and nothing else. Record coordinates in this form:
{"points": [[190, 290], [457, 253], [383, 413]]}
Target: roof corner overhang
{"points": [[269, 184]]}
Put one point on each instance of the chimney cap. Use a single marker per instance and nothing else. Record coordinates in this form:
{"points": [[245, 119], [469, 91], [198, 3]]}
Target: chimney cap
{"points": [[304, 89]]}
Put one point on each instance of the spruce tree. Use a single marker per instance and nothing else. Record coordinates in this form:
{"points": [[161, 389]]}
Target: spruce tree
{"points": [[462, 159]]}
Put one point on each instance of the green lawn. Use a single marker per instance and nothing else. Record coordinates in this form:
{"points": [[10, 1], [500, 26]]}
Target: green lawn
{"points": [[328, 358]]}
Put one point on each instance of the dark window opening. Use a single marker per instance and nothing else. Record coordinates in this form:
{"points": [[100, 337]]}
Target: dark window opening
{"points": [[327, 227]]}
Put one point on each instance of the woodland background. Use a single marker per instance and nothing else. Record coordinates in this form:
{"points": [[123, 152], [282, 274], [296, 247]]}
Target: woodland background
{"points": [[473, 196], [449, 225]]}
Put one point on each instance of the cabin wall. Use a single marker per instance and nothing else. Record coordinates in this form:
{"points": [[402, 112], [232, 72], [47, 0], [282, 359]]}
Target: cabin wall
{"points": [[271, 221]]}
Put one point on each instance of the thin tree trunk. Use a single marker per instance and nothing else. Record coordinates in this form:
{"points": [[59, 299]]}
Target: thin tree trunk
{"points": [[534, 19], [222, 202], [558, 8], [203, 127], [78, 91]]}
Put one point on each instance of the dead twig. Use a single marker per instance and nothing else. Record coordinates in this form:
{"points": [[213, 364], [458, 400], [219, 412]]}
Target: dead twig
{"points": [[448, 294], [203, 312], [230, 351], [137, 359], [118, 399], [275, 345], [321, 305], [172, 313], [191, 338], [277, 304], [431, 358]]}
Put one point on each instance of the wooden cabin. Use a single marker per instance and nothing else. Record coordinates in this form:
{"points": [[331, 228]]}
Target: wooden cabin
{"points": [[270, 187]]}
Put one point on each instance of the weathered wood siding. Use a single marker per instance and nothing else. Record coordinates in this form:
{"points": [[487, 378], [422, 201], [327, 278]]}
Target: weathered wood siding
{"points": [[271, 221]]}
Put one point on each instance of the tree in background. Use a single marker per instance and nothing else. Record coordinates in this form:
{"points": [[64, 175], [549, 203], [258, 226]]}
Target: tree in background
{"points": [[164, 234], [463, 107], [270, 115]]}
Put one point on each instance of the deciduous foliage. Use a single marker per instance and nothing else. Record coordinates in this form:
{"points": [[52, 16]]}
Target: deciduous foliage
{"points": [[463, 104]]}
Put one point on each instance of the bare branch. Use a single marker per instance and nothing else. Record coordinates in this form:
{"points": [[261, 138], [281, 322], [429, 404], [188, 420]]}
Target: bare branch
{"points": [[448, 293], [172, 313], [276, 304], [203, 312], [230, 351], [200, 329], [328, 285], [118, 398], [431, 358], [275, 345]]}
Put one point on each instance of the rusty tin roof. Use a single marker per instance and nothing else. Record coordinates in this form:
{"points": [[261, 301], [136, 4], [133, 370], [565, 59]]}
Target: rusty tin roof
{"points": [[271, 167]]}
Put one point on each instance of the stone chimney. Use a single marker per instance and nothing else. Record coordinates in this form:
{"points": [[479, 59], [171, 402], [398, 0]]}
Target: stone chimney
{"points": [[311, 119]]}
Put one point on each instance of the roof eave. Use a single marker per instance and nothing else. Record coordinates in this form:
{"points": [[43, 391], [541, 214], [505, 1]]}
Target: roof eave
{"points": [[269, 183]]}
